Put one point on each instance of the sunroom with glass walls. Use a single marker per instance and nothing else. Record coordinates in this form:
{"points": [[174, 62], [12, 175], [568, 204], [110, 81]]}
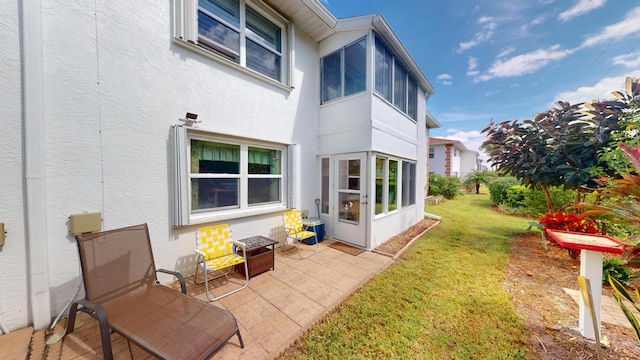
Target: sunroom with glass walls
{"points": [[393, 83], [395, 184], [344, 71]]}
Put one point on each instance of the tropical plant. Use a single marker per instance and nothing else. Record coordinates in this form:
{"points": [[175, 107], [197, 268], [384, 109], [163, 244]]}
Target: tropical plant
{"points": [[620, 294], [623, 196], [560, 146], [568, 221], [476, 178], [628, 131], [615, 268]]}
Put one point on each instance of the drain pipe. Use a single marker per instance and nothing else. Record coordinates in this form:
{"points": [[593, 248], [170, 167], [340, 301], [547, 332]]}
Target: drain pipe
{"points": [[36, 204], [431, 216]]}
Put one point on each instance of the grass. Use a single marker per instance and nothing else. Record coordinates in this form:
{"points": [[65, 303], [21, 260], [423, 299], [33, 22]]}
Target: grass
{"points": [[445, 300]]}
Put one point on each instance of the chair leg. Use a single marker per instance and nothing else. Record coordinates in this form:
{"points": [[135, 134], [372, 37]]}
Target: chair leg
{"points": [[206, 285], [300, 250], [240, 338], [313, 253]]}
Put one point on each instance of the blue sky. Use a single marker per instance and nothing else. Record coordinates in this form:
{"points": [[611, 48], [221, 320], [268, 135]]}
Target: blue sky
{"points": [[510, 59]]}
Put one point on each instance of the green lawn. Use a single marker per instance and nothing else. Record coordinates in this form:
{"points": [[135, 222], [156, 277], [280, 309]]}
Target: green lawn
{"points": [[445, 300]]}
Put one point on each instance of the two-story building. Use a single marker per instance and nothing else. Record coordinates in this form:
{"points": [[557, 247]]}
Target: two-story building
{"points": [[449, 157], [186, 113]]}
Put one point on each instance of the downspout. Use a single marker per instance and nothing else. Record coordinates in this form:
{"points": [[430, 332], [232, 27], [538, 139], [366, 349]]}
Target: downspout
{"points": [[36, 204]]}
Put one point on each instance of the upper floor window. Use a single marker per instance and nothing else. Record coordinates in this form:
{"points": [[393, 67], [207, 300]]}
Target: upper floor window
{"points": [[241, 34], [394, 83], [344, 72], [432, 152]]}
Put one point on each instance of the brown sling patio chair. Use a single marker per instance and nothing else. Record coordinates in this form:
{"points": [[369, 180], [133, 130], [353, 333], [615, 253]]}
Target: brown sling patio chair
{"points": [[123, 294]]}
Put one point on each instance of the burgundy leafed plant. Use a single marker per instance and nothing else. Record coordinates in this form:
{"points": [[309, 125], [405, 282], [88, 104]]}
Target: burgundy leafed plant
{"points": [[568, 221]]}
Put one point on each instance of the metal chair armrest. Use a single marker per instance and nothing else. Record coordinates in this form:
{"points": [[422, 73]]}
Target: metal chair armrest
{"points": [[183, 286], [199, 252], [289, 229], [242, 246]]}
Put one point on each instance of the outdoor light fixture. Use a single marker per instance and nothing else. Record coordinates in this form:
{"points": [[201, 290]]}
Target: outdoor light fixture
{"points": [[190, 119]]}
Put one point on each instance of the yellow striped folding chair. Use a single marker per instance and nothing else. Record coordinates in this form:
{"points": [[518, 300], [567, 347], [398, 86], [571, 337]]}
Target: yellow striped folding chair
{"points": [[296, 231], [217, 252]]}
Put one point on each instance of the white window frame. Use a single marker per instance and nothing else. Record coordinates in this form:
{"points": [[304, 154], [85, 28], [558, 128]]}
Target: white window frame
{"points": [[341, 51], [411, 186], [185, 34], [406, 107], [399, 185], [182, 210]]}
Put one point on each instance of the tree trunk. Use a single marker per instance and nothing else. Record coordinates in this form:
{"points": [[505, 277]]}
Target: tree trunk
{"points": [[578, 195], [548, 198]]}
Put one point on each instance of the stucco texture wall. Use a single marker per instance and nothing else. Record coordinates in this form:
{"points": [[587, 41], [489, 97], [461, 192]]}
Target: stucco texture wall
{"points": [[13, 259], [114, 83]]}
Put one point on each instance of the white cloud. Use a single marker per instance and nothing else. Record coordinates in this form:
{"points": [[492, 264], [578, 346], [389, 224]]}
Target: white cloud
{"points": [[579, 8], [539, 20], [601, 90], [629, 60], [481, 36], [524, 63], [507, 51], [473, 67], [615, 32], [444, 79]]}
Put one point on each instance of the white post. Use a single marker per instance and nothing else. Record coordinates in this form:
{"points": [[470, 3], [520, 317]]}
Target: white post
{"points": [[591, 268]]}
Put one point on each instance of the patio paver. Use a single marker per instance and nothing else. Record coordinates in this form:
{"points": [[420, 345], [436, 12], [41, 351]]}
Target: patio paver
{"points": [[275, 309]]}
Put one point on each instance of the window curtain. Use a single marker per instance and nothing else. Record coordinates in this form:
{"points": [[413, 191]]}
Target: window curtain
{"points": [[265, 157]]}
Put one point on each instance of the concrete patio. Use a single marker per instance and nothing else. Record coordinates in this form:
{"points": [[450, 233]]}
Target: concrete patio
{"points": [[275, 309]]}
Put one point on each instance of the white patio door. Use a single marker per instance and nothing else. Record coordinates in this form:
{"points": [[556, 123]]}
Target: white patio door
{"points": [[350, 199]]}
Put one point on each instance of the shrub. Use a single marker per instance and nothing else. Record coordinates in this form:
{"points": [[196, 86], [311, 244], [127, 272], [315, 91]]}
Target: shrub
{"points": [[616, 269], [516, 195], [435, 184], [563, 220], [567, 221], [448, 187], [498, 189], [451, 186], [560, 197]]}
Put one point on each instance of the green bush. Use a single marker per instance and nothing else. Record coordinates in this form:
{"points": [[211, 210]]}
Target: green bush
{"points": [[560, 197], [516, 195], [615, 269], [451, 186], [499, 187], [448, 187]]}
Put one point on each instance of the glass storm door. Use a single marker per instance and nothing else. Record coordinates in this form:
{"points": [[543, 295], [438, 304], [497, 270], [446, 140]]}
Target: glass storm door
{"points": [[350, 199]]}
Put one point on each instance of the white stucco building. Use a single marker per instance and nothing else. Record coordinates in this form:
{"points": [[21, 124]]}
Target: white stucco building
{"points": [[294, 105], [451, 158]]}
